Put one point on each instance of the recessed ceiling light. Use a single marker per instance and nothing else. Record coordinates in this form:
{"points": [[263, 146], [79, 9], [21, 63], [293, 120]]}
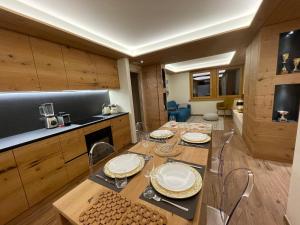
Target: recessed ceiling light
{"points": [[199, 63]]}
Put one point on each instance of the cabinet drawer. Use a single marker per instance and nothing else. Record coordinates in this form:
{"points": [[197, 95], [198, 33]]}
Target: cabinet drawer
{"points": [[120, 122], [95, 127], [121, 132], [12, 196], [41, 167], [77, 166], [72, 144]]}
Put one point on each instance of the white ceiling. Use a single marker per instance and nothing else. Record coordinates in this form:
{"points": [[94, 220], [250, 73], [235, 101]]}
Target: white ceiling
{"points": [[199, 63], [136, 27]]}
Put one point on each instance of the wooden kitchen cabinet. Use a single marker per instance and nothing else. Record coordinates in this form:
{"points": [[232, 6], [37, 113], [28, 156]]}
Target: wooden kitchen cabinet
{"points": [[72, 144], [121, 132], [49, 65], [107, 72], [95, 127], [77, 166], [81, 72], [17, 69], [41, 167], [12, 196]]}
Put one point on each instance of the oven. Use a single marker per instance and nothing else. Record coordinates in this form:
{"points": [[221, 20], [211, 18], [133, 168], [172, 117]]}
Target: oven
{"points": [[102, 135]]}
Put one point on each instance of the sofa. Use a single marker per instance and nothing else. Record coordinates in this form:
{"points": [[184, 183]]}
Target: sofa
{"points": [[182, 112]]}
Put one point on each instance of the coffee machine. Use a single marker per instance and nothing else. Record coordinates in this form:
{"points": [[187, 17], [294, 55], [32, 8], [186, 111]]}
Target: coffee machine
{"points": [[47, 111]]}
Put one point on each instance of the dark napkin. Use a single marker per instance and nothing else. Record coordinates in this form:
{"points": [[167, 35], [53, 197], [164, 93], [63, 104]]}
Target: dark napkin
{"points": [[109, 185], [189, 203]]}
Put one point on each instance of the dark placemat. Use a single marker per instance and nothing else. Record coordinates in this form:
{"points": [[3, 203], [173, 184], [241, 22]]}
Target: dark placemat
{"points": [[158, 140], [190, 203], [202, 145], [111, 186]]}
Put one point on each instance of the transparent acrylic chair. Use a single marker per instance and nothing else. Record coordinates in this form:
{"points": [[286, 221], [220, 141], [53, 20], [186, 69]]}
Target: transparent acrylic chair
{"points": [[237, 185], [139, 131], [98, 152], [217, 160]]}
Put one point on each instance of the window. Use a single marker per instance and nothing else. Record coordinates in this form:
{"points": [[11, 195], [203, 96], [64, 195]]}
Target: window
{"points": [[229, 82], [202, 84], [216, 83]]}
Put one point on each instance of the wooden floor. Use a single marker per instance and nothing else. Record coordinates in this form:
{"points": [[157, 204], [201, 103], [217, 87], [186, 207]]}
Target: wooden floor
{"points": [[266, 205], [267, 202]]}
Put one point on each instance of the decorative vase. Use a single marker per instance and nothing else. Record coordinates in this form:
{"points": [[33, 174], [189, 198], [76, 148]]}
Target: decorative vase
{"points": [[296, 64], [283, 114], [285, 57]]}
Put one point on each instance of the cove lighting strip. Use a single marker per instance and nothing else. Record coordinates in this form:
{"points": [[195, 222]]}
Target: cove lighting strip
{"points": [[200, 63], [37, 13]]}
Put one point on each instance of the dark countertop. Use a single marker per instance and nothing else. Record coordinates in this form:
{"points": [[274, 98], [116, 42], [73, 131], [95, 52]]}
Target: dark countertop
{"points": [[36, 135]]}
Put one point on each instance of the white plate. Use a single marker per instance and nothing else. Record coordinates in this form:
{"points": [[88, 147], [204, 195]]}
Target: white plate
{"points": [[175, 177], [123, 163], [161, 134], [195, 137]]}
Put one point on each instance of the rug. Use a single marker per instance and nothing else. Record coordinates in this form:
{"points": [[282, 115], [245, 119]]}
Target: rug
{"points": [[216, 125]]}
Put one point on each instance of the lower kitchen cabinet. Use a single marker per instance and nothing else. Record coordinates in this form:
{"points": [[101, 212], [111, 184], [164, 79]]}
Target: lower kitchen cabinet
{"points": [[12, 196], [77, 166], [72, 144], [41, 167], [28, 174], [121, 132]]}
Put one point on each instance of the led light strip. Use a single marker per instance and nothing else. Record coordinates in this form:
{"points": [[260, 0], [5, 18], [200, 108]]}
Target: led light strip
{"points": [[39, 14], [211, 61]]}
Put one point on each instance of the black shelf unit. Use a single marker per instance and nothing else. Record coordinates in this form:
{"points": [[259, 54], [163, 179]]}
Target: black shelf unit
{"points": [[287, 98], [289, 42]]}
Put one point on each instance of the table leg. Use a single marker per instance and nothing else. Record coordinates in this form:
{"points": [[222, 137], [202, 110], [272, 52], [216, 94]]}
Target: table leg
{"points": [[62, 220]]}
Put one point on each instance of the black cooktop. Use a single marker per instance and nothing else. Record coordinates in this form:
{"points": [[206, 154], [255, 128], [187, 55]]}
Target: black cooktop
{"points": [[89, 120]]}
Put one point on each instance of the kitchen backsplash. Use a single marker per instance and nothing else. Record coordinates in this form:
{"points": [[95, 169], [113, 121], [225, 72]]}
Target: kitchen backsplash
{"points": [[19, 112]]}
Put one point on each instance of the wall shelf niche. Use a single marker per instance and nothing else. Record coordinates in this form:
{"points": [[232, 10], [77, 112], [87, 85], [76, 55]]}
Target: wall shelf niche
{"points": [[286, 98], [288, 59]]}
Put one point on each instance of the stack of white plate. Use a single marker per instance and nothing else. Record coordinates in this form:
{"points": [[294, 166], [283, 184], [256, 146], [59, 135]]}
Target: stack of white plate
{"points": [[176, 180], [161, 134], [124, 165], [196, 138]]}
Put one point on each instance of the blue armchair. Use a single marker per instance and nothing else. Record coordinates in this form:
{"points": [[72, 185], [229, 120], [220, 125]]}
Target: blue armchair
{"points": [[181, 111]]}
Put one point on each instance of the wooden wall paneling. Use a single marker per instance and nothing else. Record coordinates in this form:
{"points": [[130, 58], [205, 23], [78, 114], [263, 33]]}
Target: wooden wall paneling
{"points": [[77, 166], [267, 139], [163, 114], [12, 196], [72, 144], [121, 132], [41, 167], [81, 72], [17, 69], [49, 65], [150, 93], [107, 71]]}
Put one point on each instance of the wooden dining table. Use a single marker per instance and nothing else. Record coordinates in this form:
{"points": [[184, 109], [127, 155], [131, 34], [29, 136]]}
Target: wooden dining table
{"points": [[75, 201]]}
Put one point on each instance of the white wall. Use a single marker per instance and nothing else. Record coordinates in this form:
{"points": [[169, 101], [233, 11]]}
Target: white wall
{"points": [[293, 207], [123, 96], [179, 91]]}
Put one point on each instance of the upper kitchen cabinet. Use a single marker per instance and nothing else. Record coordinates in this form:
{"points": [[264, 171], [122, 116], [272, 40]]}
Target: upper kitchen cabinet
{"points": [[17, 69], [49, 65], [107, 71], [81, 72]]}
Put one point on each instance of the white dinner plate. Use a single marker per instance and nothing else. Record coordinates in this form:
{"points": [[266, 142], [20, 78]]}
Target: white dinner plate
{"points": [[175, 176], [161, 134], [194, 137], [123, 163]]}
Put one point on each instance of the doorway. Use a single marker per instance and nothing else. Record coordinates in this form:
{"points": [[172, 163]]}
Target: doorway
{"points": [[136, 96]]}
